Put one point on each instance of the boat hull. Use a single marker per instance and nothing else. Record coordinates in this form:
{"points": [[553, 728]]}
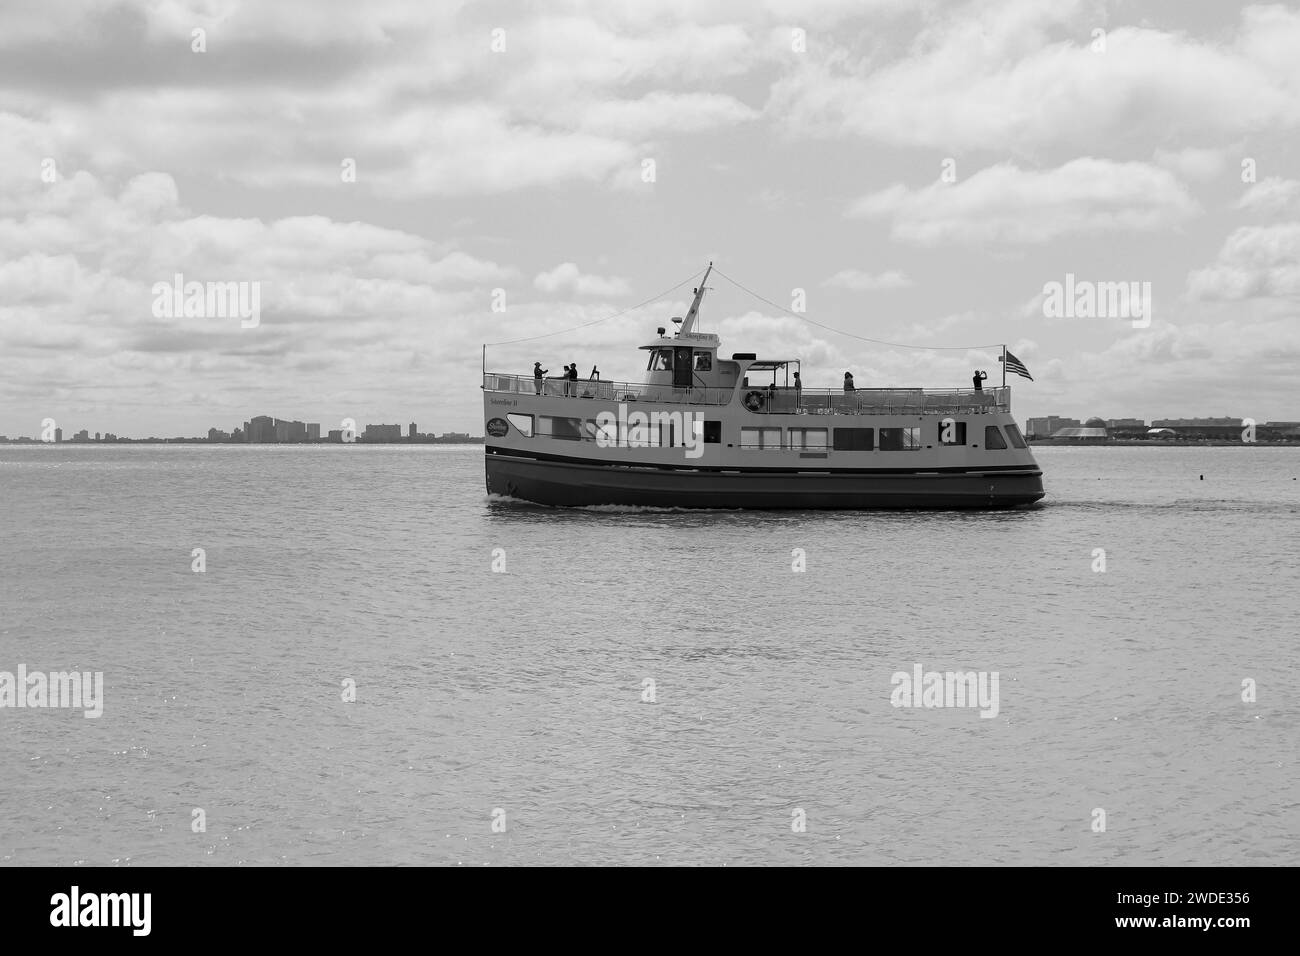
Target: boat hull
{"points": [[569, 482]]}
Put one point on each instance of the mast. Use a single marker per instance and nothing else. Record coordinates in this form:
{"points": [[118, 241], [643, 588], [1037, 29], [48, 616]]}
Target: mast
{"points": [[688, 323]]}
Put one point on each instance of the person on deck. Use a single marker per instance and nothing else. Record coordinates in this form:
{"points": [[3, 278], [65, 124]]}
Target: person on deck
{"points": [[848, 382], [978, 379], [573, 380], [538, 372]]}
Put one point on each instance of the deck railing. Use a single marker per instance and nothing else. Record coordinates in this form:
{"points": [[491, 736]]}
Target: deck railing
{"points": [[609, 391], [881, 401], [774, 401]]}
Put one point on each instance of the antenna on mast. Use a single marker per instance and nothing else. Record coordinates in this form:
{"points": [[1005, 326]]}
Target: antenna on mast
{"points": [[688, 324]]}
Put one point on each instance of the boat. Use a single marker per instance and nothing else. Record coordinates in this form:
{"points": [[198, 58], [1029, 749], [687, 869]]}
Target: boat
{"points": [[707, 431]]}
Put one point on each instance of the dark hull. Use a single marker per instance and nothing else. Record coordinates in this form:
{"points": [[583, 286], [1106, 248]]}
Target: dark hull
{"points": [[575, 484]]}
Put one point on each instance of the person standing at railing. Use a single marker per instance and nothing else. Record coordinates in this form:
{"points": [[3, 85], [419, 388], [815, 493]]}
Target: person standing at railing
{"points": [[978, 379], [571, 389], [538, 372], [848, 382], [798, 393]]}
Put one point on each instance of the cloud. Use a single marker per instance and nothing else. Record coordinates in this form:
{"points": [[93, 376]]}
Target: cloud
{"points": [[1024, 76], [1004, 203], [565, 278], [859, 281], [1272, 195], [1200, 165], [1255, 262]]}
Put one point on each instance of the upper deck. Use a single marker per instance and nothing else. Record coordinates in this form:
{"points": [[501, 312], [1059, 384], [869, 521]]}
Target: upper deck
{"points": [[778, 400]]}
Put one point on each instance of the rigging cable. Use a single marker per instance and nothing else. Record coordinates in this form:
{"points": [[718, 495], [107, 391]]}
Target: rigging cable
{"points": [[892, 345], [587, 325]]}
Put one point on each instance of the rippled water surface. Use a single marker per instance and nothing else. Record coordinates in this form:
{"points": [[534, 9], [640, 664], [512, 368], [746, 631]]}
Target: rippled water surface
{"points": [[522, 691]]}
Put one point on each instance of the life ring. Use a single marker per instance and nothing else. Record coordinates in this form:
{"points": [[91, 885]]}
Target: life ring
{"points": [[754, 401]]}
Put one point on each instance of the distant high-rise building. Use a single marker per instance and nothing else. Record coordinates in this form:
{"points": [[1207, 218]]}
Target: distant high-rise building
{"points": [[58, 435], [410, 431], [382, 433], [261, 429], [336, 435], [82, 435], [313, 431], [96, 436], [215, 434]]}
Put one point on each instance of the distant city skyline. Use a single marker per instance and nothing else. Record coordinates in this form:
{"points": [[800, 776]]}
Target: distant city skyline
{"points": [[259, 430]]}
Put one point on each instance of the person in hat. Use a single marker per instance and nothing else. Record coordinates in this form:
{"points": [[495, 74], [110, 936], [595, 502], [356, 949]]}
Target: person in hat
{"points": [[538, 372]]}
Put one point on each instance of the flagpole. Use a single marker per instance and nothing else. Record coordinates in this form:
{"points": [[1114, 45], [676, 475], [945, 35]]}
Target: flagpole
{"points": [[1004, 365]]}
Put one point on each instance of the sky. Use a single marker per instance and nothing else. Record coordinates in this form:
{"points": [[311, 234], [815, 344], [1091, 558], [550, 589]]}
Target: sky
{"points": [[401, 183]]}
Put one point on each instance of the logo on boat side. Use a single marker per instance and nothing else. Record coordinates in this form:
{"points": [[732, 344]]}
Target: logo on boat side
{"points": [[497, 428], [946, 689], [651, 430]]}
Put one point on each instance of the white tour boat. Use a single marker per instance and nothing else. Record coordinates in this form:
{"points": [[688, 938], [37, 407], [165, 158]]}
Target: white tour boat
{"points": [[705, 431]]}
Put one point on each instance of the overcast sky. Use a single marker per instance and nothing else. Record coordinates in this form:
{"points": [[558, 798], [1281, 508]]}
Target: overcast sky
{"points": [[810, 161]]}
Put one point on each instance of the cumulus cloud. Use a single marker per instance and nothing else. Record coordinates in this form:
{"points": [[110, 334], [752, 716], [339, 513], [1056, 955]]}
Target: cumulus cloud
{"points": [[1004, 203], [1272, 196], [1255, 262], [566, 278], [1026, 76]]}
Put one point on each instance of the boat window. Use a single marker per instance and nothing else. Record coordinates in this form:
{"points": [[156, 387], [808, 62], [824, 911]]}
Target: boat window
{"points": [[713, 433], [993, 437], [661, 360], [856, 439], [808, 438], [768, 439], [951, 432], [565, 429], [523, 423], [704, 361], [1017, 440], [900, 439]]}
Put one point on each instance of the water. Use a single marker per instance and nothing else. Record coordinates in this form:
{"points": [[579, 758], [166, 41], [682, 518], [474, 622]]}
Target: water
{"points": [[522, 691]]}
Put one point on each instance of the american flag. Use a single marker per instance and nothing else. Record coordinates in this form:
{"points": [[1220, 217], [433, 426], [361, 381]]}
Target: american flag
{"points": [[1013, 364]]}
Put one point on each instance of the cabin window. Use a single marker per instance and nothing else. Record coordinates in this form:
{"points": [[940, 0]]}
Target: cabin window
{"points": [[661, 360], [952, 432], [993, 437], [565, 429], [713, 433], [855, 439], [811, 439], [900, 439], [1017, 440], [704, 361], [767, 439], [523, 423]]}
